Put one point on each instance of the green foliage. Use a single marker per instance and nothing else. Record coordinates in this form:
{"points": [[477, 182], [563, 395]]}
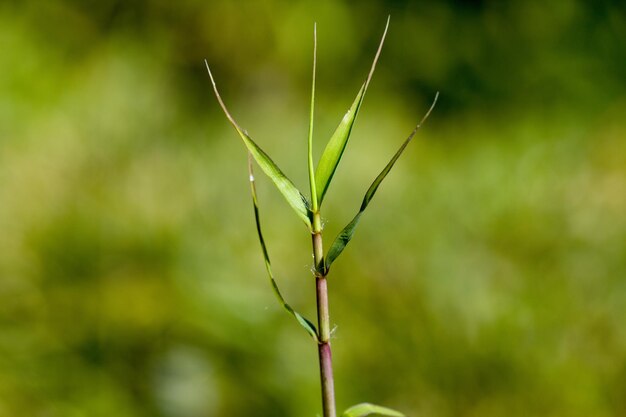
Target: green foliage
{"points": [[325, 170], [130, 279], [293, 196], [310, 162], [306, 324], [337, 144], [346, 234], [365, 409]]}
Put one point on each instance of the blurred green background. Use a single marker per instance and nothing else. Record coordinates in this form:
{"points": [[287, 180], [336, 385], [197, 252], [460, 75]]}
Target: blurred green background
{"points": [[487, 278]]}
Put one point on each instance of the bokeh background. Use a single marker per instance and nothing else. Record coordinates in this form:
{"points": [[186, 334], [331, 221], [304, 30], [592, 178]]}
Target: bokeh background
{"points": [[487, 278]]}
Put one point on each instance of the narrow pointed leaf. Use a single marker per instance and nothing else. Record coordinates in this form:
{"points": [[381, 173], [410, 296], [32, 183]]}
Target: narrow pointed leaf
{"points": [[337, 144], [306, 324], [293, 196], [346, 234], [365, 409], [314, 201]]}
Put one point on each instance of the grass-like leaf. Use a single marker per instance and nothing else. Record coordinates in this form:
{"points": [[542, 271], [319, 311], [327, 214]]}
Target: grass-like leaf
{"points": [[310, 141], [337, 144], [293, 196], [365, 409], [346, 234], [306, 324]]}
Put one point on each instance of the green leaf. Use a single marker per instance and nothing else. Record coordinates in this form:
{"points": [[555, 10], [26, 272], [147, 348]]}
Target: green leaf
{"points": [[293, 196], [348, 232], [310, 141], [306, 324], [365, 409], [337, 144]]}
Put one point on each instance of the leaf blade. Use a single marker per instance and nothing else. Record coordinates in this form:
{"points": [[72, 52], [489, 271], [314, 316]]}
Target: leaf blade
{"points": [[344, 237], [336, 145], [290, 192], [365, 409], [312, 184], [306, 324]]}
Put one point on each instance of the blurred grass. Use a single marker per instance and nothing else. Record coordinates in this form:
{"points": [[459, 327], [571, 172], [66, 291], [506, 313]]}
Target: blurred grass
{"points": [[487, 278]]}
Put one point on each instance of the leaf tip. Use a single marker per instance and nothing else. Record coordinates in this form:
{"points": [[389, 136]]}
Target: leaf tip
{"points": [[430, 109], [380, 48], [206, 63], [221, 102]]}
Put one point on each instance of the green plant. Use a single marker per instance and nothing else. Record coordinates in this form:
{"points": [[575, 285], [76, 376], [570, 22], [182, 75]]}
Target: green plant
{"points": [[309, 211]]}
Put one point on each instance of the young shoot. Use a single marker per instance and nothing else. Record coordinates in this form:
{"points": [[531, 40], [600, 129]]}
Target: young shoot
{"points": [[309, 211]]}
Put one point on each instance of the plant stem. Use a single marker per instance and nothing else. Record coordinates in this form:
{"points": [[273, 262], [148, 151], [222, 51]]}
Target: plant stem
{"points": [[325, 356], [323, 320]]}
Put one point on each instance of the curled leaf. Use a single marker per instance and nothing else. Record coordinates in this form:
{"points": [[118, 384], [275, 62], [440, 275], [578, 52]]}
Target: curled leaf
{"points": [[306, 324], [348, 232], [293, 196], [365, 409], [337, 144]]}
